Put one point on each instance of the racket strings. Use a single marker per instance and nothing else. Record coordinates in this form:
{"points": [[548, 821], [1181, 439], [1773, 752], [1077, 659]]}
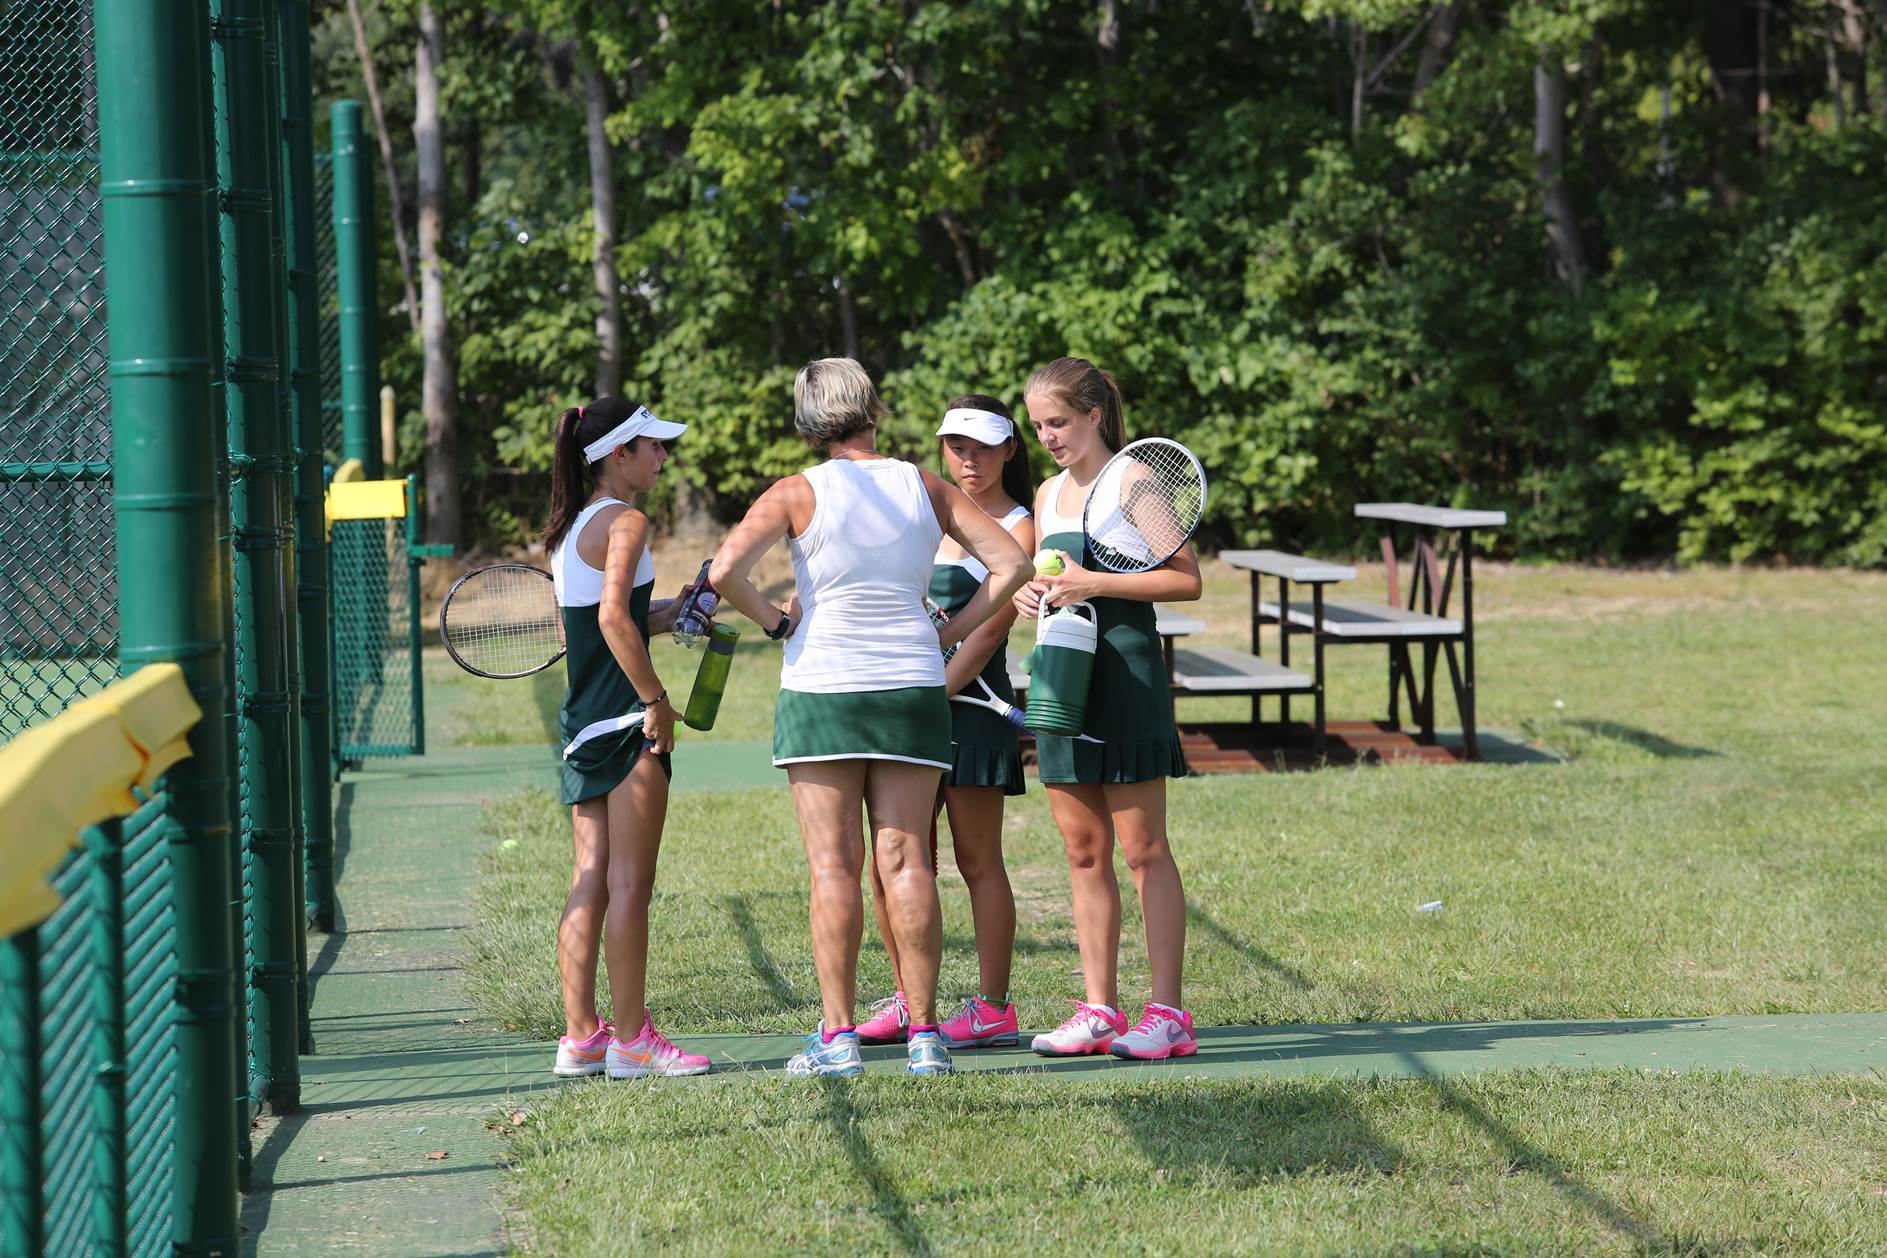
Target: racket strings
{"points": [[504, 622], [1145, 506]]}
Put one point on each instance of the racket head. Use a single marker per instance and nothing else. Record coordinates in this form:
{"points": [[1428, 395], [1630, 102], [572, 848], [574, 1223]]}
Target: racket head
{"points": [[502, 621], [1144, 506]]}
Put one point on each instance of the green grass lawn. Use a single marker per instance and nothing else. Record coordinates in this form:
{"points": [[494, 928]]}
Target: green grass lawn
{"points": [[1707, 839]]}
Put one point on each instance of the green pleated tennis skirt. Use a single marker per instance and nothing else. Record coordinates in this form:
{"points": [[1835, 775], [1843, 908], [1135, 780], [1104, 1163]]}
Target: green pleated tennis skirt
{"points": [[984, 750], [910, 724]]}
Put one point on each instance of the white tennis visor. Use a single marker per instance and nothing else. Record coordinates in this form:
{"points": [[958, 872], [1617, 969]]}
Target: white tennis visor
{"points": [[641, 424], [985, 426]]}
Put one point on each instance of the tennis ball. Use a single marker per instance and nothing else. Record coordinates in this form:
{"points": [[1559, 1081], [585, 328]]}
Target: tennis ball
{"points": [[508, 844], [1048, 563]]}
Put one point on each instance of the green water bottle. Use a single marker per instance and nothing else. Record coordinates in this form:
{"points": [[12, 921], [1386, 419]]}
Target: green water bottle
{"points": [[704, 701]]}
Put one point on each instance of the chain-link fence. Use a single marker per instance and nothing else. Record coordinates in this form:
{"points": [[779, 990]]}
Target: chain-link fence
{"points": [[58, 590], [118, 1097], [376, 643], [327, 287]]}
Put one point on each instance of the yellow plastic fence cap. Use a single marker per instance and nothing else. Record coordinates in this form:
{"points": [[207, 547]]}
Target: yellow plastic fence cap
{"points": [[367, 500], [77, 770]]}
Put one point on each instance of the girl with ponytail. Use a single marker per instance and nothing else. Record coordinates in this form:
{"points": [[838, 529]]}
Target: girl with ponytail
{"points": [[982, 452], [616, 730], [1116, 788]]}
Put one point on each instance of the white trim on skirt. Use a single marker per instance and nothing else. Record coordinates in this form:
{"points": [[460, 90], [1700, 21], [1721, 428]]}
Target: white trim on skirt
{"points": [[596, 729], [861, 755]]}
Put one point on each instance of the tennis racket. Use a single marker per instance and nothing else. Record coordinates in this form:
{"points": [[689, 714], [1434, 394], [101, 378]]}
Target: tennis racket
{"points": [[502, 621], [1144, 506], [977, 692]]}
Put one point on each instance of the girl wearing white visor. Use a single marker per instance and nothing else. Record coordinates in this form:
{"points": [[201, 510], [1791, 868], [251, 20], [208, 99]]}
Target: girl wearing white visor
{"points": [[983, 455], [616, 730]]}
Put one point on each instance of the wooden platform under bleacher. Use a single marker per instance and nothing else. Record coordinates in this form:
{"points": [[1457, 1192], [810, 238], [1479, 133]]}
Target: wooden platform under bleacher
{"points": [[1237, 747]]}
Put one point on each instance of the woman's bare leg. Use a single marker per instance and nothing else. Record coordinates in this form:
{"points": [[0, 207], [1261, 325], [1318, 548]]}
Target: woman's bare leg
{"points": [[1138, 810], [580, 932], [638, 807], [1087, 832], [829, 795], [976, 838], [901, 800]]}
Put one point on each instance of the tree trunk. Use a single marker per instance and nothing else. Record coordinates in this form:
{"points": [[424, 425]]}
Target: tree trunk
{"points": [[1733, 34], [848, 316], [396, 204], [1106, 54], [1549, 165], [1832, 57], [439, 394], [603, 248], [1442, 29]]}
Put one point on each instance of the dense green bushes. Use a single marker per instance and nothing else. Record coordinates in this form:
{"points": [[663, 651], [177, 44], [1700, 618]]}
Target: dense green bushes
{"points": [[1328, 307]]}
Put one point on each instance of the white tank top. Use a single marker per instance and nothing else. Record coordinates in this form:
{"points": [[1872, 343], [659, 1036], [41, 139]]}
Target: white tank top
{"points": [[862, 567], [970, 563], [578, 584]]}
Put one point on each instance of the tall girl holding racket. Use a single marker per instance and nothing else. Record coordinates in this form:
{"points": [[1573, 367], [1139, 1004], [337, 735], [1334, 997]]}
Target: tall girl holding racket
{"points": [[617, 728], [1114, 789], [983, 453]]}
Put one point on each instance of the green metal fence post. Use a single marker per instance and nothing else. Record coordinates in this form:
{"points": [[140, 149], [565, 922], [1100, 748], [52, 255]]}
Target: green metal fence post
{"points": [[414, 559], [156, 179], [103, 844], [22, 1161], [246, 152], [311, 551], [355, 259]]}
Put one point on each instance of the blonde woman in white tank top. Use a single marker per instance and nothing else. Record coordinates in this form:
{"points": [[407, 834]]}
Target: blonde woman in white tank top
{"points": [[862, 718]]}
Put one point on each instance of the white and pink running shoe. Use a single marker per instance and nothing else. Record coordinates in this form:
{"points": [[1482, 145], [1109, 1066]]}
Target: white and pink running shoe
{"points": [[577, 1058], [980, 1024], [650, 1053], [890, 1022], [1161, 1033], [1091, 1030]]}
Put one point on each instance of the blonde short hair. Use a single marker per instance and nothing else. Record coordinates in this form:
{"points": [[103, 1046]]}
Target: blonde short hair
{"points": [[834, 399]]}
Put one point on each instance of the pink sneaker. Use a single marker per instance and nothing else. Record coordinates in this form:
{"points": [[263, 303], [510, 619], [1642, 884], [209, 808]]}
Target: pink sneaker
{"points": [[890, 1022], [980, 1024], [1091, 1030], [1162, 1032], [577, 1058], [650, 1053]]}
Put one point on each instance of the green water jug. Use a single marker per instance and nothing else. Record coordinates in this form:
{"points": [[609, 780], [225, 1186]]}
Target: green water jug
{"points": [[1060, 668], [704, 701]]}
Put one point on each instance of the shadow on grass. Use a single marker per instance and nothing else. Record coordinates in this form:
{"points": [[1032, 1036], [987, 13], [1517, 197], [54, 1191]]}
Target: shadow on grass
{"points": [[907, 1236], [1276, 1133], [1529, 1157], [1252, 953], [1643, 740], [740, 910]]}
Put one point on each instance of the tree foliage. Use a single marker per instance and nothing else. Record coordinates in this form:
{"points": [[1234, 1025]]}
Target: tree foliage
{"points": [[1334, 288]]}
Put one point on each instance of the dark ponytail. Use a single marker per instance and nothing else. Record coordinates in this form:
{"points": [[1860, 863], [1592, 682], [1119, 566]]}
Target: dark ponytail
{"points": [[572, 477], [1017, 481]]}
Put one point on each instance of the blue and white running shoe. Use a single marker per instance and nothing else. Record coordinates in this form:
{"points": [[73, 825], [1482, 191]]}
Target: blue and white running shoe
{"points": [[836, 1054], [927, 1055]]}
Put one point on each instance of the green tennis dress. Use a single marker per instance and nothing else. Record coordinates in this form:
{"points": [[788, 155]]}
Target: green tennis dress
{"points": [[1130, 704], [984, 748], [862, 676], [600, 725]]}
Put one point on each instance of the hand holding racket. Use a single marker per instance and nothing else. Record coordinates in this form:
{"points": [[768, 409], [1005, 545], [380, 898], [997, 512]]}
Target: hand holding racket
{"points": [[976, 691]]}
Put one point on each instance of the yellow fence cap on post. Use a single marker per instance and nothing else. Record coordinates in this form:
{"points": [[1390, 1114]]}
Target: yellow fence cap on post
{"points": [[365, 499], [77, 770]]}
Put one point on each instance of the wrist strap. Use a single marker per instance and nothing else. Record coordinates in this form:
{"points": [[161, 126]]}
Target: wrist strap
{"points": [[661, 698]]}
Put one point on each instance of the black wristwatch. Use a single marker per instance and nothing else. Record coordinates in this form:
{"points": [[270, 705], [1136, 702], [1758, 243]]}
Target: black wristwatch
{"points": [[780, 630]]}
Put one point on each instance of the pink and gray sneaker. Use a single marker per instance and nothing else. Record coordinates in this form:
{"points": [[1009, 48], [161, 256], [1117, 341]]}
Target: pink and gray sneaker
{"points": [[577, 1058], [650, 1053], [890, 1022], [1161, 1033], [980, 1024], [1092, 1029]]}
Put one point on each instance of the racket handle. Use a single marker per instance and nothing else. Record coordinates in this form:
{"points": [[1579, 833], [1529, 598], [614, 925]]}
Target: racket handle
{"points": [[1016, 717]]}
